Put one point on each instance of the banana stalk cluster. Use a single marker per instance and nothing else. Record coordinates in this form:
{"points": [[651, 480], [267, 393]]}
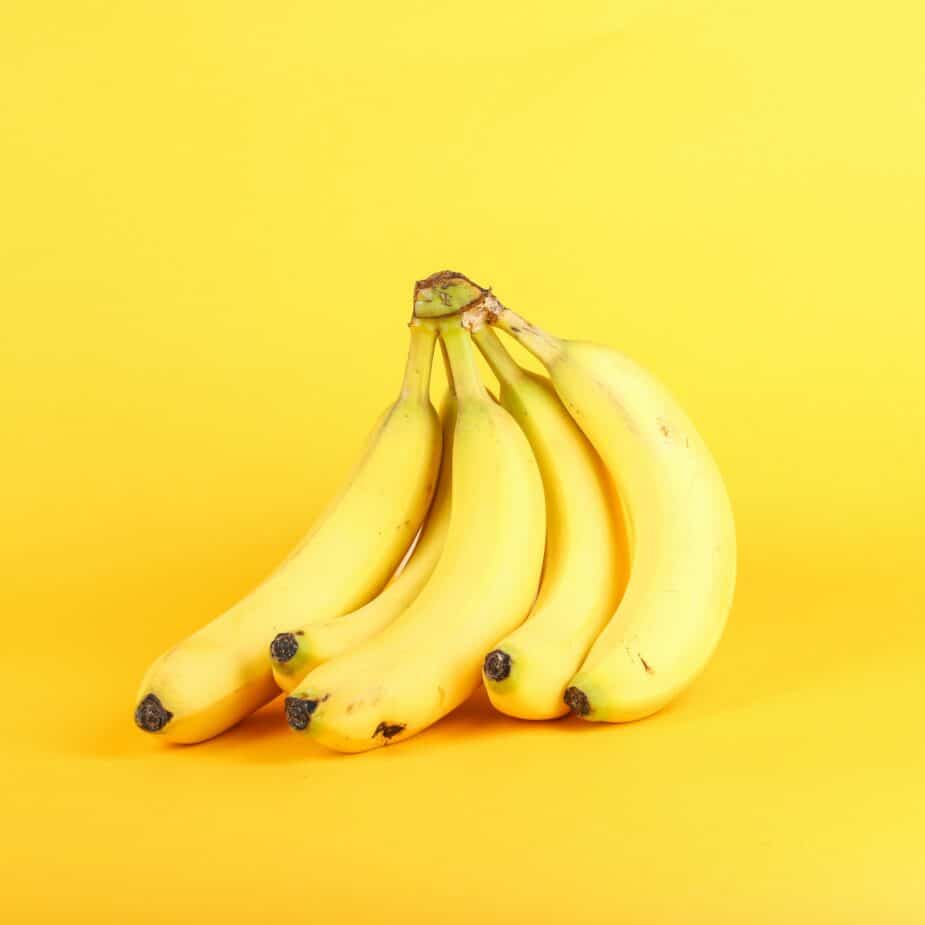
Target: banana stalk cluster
{"points": [[569, 545]]}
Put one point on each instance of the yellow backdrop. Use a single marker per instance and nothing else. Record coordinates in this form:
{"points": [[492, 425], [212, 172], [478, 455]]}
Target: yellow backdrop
{"points": [[212, 216]]}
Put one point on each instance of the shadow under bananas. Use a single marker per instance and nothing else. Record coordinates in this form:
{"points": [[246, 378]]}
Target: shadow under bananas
{"points": [[265, 738], [823, 639]]}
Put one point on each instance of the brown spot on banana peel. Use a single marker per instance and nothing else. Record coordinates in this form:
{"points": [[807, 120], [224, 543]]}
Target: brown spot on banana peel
{"points": [[388, 730], [671, 435], [633, 652]]}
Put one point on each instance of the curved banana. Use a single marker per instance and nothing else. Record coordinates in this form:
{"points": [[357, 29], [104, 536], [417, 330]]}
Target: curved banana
{"points": [[679, 522], [428, 660], [220, 673], [294, 654], [527, 672]]}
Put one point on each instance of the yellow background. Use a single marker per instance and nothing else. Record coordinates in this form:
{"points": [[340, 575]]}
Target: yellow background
{"points": [[212, 215]]}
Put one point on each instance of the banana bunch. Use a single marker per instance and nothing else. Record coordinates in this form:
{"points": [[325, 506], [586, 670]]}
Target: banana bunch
{"points": [[570, 545]]}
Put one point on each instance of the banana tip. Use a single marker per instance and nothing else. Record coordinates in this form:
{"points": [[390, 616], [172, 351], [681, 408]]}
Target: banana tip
{"points": [[299, 712], [151, 715], [577, 701], [284, 647], [497, 665]]}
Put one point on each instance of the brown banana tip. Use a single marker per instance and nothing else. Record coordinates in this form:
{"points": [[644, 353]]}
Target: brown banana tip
{"points": [[497, 665], [299, 712], [151, 715], [284, 647], [577, 701]]}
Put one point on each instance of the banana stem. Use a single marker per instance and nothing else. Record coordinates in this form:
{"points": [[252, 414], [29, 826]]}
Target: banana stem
{"points": [[416, 383], [444, 293], [495, 353], [446, 366], [543, 346], [448, 293], [464, 371]]}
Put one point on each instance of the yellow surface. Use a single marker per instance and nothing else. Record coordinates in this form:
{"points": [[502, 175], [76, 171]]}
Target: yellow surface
{"points": [[212, 214]]}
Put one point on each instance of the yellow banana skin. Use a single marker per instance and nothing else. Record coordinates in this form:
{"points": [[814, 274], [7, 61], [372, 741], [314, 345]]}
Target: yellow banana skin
{"points": [[221, 673], [293, 655], [428, 660], [679, 521], [528, 671]]}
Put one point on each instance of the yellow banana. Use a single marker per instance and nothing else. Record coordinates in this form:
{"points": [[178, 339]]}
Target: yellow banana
{"points": [[527, 672], [428, 660], [220, 673], [294, 654], [679, 523]]}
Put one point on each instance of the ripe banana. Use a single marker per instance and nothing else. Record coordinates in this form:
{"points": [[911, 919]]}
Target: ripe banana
{"points": [[220, 673], [527, 672], [294, 654], [428, 660], [679, 522]]}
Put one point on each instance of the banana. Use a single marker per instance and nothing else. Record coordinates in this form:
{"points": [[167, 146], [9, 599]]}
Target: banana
{"points": [[428, 660], [527, 672], [220, 673], [294, 654], [679, 522]]}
